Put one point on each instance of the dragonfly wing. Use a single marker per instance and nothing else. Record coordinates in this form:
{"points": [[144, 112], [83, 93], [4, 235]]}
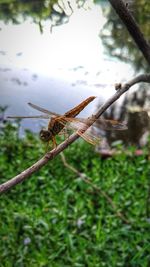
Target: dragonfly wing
{"points": [[82, 130], [89, 137], [80, 125], [110, 125], [29, 117], [98, 123], [43, 110]]}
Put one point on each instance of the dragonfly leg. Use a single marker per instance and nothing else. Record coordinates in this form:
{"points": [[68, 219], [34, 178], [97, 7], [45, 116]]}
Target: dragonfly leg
{"points": [[62, 132], [54, 142], [66, 134], [47, 146]]}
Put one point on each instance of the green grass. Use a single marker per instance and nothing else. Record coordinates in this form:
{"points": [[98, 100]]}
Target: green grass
{"points": [[55, 219]]}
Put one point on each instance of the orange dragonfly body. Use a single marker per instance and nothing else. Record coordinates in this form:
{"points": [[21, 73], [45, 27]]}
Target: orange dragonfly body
{"points": [[58, 122]]}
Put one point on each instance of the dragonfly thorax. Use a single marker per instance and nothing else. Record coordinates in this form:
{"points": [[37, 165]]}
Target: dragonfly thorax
{"points": [[45, 135]]}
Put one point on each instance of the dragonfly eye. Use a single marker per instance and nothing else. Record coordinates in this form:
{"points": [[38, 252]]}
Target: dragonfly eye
{"points": [[45, 135]]}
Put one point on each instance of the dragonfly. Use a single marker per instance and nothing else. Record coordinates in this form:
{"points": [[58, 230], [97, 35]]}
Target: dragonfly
{"points": [[59, 124]]}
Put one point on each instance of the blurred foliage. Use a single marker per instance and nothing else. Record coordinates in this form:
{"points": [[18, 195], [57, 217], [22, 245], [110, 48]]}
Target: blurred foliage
{"points": [[18, 10], [117, 39], [55, 219], [114, 35]]}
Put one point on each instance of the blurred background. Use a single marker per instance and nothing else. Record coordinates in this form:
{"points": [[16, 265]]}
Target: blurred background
{"points": [[87, 207], [68, 50]]}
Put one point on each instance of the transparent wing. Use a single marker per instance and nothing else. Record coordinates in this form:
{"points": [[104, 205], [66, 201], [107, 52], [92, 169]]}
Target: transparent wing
{"points": [[89, 137], [43, 110], [97, 123], [48, 116], [29, 117], [93, 137], [110, 125], [81, 128]]}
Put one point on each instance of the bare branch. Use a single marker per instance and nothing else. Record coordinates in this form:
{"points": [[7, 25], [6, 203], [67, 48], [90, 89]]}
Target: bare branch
{"points": [[123, 88], [133, 28], [88, 181], [53, 153]]}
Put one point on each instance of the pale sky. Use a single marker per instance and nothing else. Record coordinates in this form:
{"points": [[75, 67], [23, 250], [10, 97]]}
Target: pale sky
{"points": [[74, 44], [69, 45]]}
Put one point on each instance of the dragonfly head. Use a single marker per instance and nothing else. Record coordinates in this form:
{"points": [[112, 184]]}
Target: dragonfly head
{"points": [[45, 135]]}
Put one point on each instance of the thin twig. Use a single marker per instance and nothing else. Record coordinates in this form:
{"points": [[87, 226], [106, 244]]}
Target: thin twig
{"points": [[133, 28], [87, 180], [53, 153]]}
